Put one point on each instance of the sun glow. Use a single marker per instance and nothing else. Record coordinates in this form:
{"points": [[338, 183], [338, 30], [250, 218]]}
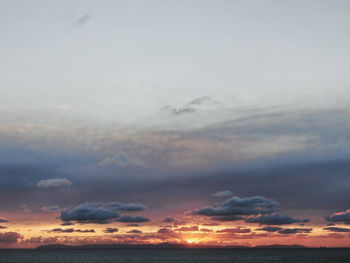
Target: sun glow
{"points": [[191, 241]]}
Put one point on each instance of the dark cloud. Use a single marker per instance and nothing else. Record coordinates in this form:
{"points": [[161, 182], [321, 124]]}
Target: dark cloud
{"points": [[125, 207], [84, 230], [67, 224], [234, 230], [269, 229], [343, 217], [174, 221], [87, 213], [165, 231], [275, 219], [294, 230], [2, 220], [236, 206], [247, 208], [190, 107], [3, 227], [10, 237], [134, 231], [70, 230], [102, 213], [132, 219], [83, 20], [60, 230], [187, 229], [227, 218], [337, 229], [111, 230], [169, 220]]}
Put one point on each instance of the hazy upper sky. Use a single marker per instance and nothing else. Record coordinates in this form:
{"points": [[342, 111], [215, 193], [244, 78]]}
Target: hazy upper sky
{"points": [[124, 59], [166, 103]]}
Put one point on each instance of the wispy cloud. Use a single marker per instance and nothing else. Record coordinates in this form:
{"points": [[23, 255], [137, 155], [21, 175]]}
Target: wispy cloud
{"points": [[53, 183], [82, 20]]}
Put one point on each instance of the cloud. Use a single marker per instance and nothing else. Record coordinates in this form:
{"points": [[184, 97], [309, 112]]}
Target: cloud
{"points": [[174, 221], [49, 209], [132, 219], [84, 230], [191, 106], [102, 213], [3, 227], [53, 183], [134, 231], [111, 230], [227, 218], [87, 213], [207, 230], [275, 219], [337, 229], [165, 231], [223, 194], [169, 220], [269, 229], [122, 160], [200, 100], [42, 240], [70, 230], [60, 230], [2, 220], [125, 207], [10, 237], [187, 229], [67, 224], [294, 230], [234, 230], [211, 224], [343, 217], [254, 209], [181, 111], [83, 20], [236, 206]]}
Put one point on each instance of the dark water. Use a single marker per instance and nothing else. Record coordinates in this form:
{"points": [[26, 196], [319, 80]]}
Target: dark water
{"points": [[172, 256]]}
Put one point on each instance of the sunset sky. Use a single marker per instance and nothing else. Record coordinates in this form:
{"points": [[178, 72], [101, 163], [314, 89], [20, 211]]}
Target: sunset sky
{"points": [[205, 122]]}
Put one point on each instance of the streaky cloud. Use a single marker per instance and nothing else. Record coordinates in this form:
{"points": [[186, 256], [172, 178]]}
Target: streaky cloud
{"points": [[53, 183]]}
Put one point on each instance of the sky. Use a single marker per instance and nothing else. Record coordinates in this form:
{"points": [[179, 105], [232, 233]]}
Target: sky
{"points": [[217, 123]]}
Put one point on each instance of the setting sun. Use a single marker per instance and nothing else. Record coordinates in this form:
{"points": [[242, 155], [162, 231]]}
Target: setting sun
{"points": [[191, 241]]}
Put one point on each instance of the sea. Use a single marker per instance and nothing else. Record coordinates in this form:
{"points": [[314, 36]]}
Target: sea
{"points": [[177, 256]]}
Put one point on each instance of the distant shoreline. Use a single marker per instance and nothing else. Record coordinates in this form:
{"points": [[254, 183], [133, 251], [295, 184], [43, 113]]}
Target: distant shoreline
{"points": [[163, 246]]}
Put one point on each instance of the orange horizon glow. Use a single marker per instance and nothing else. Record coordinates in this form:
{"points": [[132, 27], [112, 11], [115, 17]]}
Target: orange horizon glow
{"points": [[36, 233]]}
